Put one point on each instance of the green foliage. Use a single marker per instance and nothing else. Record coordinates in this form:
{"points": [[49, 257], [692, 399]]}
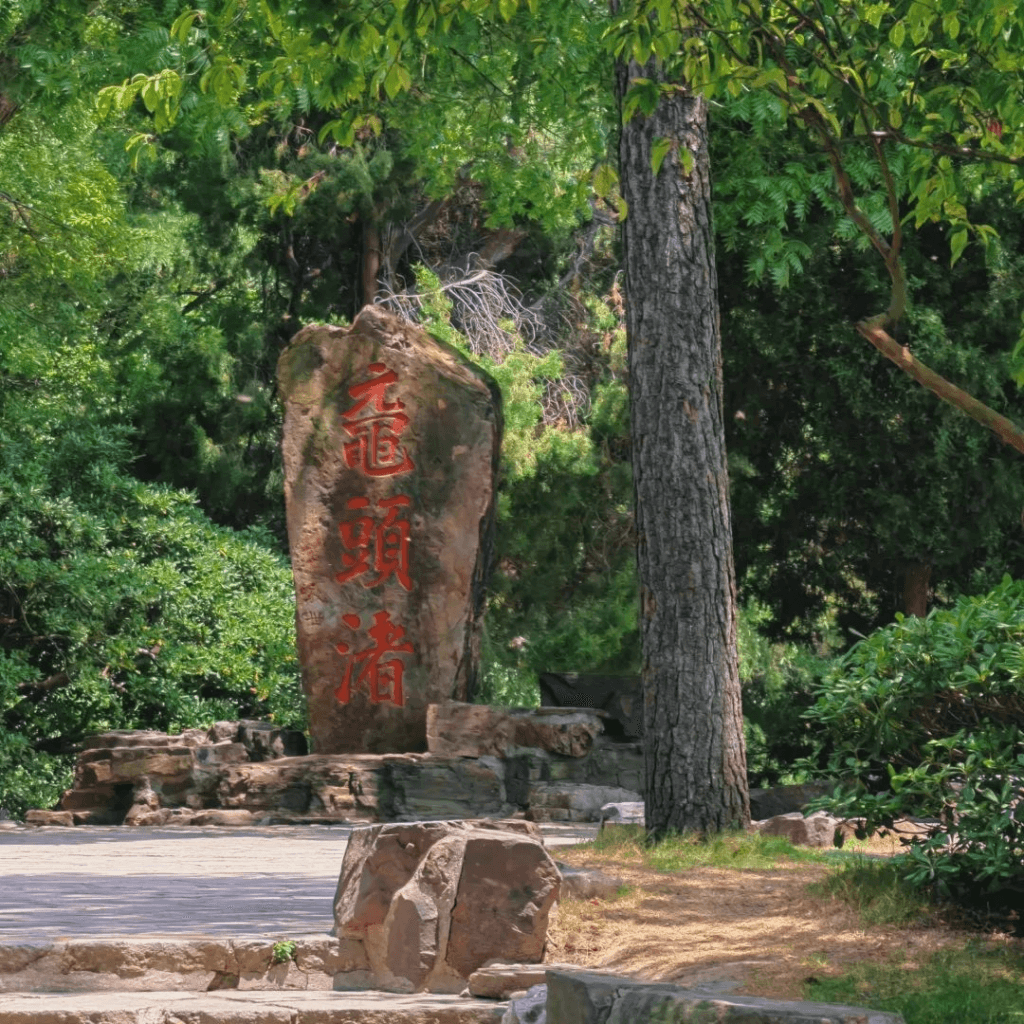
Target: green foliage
{"points": [[121, 605], [850, 471], [977, 983], [877, 890], [926, 718], [283, 951], [564, 596], [780, 683]]}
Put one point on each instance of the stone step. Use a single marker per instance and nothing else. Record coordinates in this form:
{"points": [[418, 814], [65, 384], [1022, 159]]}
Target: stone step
{"points": [[156, 963], [237, 1007]]}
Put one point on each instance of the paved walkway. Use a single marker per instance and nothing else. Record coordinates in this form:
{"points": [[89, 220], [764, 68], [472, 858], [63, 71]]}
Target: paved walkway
{"points": [[64, 883]]}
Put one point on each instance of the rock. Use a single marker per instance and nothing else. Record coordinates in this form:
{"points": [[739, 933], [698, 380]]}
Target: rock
{"points": [[558, 731], [391, 448], [816, 830], [265, 741], [587, 883], [590, 997], [61, 818], [455, 729], [620, 696], [223, 817], [554, 801], [500, 980], [631, 813], [530, 1008], [368, 787], [434, 901], [144, 803], [767, 803]]}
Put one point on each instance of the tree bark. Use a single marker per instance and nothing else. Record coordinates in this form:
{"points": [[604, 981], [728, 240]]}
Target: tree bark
{"points": [[693, 721], [916, 577], [371, 259]]}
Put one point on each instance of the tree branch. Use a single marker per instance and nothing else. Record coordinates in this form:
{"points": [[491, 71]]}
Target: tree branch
{"points": [[1007, 430]]}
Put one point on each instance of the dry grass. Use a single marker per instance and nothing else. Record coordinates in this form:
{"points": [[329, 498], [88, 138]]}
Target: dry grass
{"points": [[760, 927]]}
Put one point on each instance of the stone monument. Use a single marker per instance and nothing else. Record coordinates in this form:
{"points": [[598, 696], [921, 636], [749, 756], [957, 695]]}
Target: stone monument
{"points": [[391, 447]]}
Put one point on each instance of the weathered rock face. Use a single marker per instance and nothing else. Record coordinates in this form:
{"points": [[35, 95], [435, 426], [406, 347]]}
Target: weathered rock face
{"points": [[434, 901], [391, 445], [574, 801], [231, 774], [626, 813], [144, 777], [455, 729]]}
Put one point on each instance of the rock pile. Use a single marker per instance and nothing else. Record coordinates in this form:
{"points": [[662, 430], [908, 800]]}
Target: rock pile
{"points": [[546, 764]]}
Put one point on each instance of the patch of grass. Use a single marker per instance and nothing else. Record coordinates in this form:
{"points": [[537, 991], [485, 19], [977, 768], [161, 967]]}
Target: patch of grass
{"points": [[734, 849], [978, 984], [875, 890]]}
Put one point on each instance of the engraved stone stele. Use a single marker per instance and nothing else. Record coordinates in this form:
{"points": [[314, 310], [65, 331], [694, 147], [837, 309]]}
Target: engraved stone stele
{"points": [[391, 446]]}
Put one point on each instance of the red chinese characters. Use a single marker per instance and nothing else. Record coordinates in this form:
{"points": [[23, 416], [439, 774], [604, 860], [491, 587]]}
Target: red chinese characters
{"points": [[376, 425], [383, 677], [389, 539], [376, 548]]}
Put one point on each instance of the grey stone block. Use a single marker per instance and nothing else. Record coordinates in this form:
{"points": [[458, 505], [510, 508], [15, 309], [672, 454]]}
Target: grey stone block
{"points": [[585, 997]]}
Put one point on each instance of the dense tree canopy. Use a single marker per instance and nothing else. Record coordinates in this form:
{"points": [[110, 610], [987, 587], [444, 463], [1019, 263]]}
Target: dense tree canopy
{"points": [[280, 167]]}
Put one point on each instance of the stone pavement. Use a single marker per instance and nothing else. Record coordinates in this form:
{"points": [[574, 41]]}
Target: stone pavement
{"points": [[278, 880]]}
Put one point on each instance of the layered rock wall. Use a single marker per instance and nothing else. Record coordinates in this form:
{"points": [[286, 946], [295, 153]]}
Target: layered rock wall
{"points": [[239, 773]]}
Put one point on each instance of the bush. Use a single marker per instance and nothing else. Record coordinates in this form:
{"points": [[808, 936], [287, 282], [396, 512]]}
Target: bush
{"points": [[926, 718], [780, 683], [123, 607]]}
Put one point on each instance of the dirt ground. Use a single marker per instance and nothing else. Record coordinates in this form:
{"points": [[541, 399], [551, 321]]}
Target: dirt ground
{"points": [[752, 932]]}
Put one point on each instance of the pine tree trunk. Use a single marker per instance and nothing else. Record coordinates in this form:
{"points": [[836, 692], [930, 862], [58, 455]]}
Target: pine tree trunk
{"points": [[917, 576], [693, 721]]}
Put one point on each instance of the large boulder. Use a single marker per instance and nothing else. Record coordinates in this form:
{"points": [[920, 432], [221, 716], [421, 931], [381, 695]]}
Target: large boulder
{"points": [[391, 446], [432, 902]]}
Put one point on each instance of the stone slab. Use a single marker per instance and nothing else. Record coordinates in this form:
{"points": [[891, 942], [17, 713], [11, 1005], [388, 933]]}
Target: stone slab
{"points": [[232, 1007], [585, 997], [161, 963]]}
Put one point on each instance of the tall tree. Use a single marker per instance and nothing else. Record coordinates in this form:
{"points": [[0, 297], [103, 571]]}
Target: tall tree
{"points": [[696, 775], [858, 74]]}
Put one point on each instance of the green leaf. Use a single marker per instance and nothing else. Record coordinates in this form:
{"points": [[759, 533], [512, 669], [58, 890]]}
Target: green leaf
{"points": [[604, 179], [182, 25], [957, 244], [507, 8], [897, 34], [396, 80], [659, 150]]}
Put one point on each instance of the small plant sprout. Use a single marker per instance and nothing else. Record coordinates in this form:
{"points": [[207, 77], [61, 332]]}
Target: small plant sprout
{"points": [[284, 951]]}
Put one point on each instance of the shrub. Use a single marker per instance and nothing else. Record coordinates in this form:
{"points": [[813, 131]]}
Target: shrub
{"points": [[780, 683], [123, 607], [926, 718]]}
